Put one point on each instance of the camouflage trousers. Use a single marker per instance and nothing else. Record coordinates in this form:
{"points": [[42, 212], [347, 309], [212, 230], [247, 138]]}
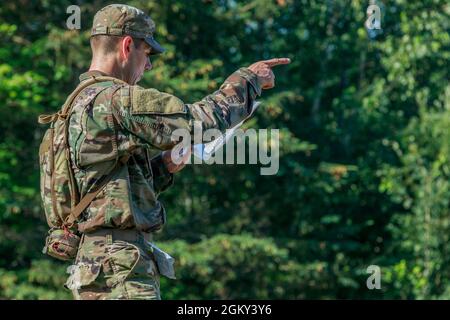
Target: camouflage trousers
{"points": [[114, 264]]}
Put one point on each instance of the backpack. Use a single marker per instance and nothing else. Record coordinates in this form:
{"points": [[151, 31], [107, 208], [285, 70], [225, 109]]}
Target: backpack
{"points": [[59, 191]]}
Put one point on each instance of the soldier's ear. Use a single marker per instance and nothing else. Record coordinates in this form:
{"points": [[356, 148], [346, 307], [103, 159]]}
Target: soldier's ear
{"points": [[125, 47]]}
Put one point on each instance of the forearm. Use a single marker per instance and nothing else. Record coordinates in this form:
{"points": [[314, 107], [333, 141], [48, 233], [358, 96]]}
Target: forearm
{"points": [[230, 104]]}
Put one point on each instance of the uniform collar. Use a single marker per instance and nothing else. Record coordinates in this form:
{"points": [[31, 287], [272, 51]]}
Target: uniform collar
{"points": [[90, 74]]}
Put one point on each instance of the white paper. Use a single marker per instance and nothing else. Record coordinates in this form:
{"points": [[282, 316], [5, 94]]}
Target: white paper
{"points": [[205, 151], [165, 262]]}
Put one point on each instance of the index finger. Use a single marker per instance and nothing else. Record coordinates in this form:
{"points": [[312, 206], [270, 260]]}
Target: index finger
{"points": [[276, 61]]}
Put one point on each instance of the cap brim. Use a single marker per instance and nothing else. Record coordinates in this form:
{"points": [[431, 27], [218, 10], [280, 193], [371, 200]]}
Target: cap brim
{"points": [[157, 48]]}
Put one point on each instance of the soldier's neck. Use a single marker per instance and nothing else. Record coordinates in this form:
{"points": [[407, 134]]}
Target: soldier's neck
{"points": [[108, 67]]}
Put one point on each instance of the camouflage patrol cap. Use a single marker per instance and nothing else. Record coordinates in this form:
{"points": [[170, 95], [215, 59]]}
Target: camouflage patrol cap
{"points": [[121, 20]]}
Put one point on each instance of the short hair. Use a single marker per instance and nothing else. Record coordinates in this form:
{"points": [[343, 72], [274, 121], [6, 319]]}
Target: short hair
{"points": [[105, 44]]}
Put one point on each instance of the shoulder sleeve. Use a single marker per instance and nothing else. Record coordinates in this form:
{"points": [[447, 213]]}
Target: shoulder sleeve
{"points": [[153, 115]]}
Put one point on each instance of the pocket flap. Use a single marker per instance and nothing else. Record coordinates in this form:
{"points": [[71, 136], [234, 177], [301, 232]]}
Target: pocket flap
{"points": [[82, 275], [152, 101]]}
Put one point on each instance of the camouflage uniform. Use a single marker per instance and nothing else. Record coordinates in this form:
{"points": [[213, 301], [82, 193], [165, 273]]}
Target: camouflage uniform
{"points": [[110, 120]]}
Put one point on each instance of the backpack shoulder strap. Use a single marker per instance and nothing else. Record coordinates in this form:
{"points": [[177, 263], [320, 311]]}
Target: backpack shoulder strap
{"points": [[63, 115], [68, 105], [90, 196], [66, 108]]}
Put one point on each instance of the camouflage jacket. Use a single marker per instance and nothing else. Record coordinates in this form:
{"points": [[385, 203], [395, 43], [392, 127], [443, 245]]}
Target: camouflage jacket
{"points": [[110, 120]]}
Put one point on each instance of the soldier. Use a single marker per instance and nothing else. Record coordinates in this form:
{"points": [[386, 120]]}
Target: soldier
{"points": [[118, 120]]}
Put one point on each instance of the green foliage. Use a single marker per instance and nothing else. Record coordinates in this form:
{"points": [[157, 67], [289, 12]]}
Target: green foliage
{"points": [[364, 154], [42, 280], [421, 185]]}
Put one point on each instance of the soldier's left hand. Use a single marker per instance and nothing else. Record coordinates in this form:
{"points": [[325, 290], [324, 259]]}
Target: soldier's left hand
{"points": [[173, 167]]}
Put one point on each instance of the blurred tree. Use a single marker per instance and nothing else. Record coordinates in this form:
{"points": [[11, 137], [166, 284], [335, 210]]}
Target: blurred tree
{"points": [[364, 147]]}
